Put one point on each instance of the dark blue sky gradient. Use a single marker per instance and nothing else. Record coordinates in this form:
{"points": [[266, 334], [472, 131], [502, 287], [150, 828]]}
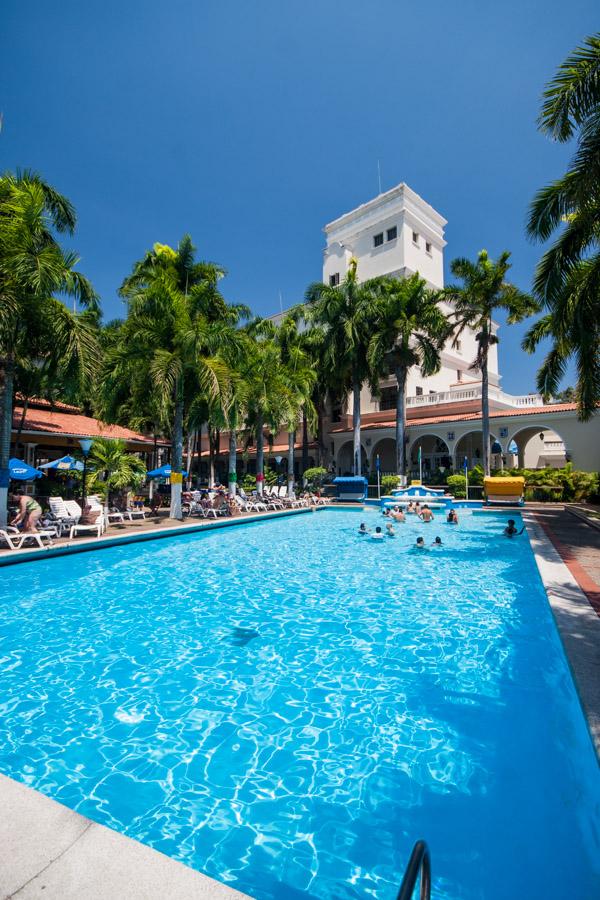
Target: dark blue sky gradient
{"points": [[251, 124]]}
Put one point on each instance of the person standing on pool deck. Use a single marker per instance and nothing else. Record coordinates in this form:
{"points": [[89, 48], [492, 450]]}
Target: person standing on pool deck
{"points": [[29, 512], [511, 530]]}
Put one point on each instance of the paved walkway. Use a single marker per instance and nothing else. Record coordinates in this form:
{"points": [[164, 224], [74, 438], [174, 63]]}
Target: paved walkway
{"points": [[579, 546]]}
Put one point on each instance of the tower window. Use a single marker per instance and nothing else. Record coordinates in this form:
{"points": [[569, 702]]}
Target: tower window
{"points": [[428, 247], [419, 391], [388, 399], [392, 233], [459, 374], [378, 239], [334, 279], [415, 238]]}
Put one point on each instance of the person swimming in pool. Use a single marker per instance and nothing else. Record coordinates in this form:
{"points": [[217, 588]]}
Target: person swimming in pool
{"points": [[411, 507], [426, 515], [398, 515], [452, 517], [420, 545], [389, 530], [511, 529], [437, 542], [378, 534], [362, 529], [386, 513]]}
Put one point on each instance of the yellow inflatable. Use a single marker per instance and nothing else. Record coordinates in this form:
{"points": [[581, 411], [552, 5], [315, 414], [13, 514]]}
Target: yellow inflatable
{"points": [[504, 490]]}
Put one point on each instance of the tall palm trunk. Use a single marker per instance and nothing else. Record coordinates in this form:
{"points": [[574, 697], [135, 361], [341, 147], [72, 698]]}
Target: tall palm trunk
{"points": [[260, 457], [211, 456], [400, 373], [232, 463], [218, 453], [356, 426], [21, 426], [7, 377], [485, 411], [177, 459], [304, 442], [290, 472]]}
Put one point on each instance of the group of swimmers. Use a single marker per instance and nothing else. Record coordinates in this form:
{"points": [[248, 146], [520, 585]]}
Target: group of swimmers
{"points": [[425, 514]]}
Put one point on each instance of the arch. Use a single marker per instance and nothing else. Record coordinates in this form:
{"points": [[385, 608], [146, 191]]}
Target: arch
{"points": [[385, 448], [345, 458], [470, 444], [538, 446], [435, 454]]}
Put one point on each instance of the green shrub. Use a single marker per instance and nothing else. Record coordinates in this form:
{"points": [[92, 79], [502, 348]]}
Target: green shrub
{"points": [[249, 481], [389, 483], [457, 485], [314, 477]]}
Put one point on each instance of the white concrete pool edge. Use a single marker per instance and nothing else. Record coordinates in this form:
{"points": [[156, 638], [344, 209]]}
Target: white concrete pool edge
{"points": [[577, 623], [47, 849]]}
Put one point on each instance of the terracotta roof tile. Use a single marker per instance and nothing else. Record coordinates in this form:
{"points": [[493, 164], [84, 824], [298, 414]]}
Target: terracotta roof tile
{"points": [[51, 422]]}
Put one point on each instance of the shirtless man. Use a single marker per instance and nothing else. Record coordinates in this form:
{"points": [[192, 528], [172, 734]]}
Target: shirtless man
{"points": [[426, 515]]}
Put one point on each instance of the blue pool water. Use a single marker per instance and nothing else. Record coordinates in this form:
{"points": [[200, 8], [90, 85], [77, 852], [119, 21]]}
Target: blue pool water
{"points": [[288, 706]]}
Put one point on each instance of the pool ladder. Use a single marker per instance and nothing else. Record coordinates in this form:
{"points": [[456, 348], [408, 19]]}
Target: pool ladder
{"points": [[418, 864]]}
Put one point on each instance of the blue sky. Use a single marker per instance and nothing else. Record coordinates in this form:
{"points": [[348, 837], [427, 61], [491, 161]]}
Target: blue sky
{"points": [[250, 125]]}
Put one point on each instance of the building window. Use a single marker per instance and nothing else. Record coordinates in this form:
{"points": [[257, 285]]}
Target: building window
{"points": [[428, 247], [334, 279], [415, 238], [378, 239], [459, 374], [388, 399], [392, 233], [419, 391], [457, 346]]}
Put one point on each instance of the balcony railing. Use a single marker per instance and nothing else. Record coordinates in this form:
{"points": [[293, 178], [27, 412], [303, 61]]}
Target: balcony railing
{"points": [[462, 395]]}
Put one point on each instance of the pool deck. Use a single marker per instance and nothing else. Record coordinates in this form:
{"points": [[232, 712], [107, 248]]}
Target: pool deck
{"points": [[577, 620], [50, 851]]}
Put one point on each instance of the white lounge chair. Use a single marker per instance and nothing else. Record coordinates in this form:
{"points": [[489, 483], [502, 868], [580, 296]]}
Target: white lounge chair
{"points": [[60, 515], [15, 539], [98, 526], [96, 505]]}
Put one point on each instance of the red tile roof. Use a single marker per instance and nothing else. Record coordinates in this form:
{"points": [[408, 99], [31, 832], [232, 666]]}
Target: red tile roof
{"points": [[467, 417], [48, 421], [40, 403]]}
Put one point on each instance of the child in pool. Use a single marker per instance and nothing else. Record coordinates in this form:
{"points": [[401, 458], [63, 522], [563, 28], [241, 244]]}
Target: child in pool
{"points": [[390, 530], [420, 545], [511, 529], [377, 535], [452, 517], [363, 528], [437, 542]]}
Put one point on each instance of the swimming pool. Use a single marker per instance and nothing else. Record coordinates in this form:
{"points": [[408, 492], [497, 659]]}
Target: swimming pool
{"points": [[288, 706]]}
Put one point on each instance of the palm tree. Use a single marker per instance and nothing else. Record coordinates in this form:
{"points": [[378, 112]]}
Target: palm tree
{"points": [[483, 292], [342, 311], [34, 324], [177, 323], [300, 377], [409, 330], [112, 467], [567, 279]]}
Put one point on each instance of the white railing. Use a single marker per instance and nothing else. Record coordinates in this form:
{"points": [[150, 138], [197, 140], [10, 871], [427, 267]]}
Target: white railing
{"points": [[461, 395], [555, 446]]}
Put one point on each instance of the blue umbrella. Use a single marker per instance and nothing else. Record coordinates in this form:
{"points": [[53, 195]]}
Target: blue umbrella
{"points": [[21, 471], [64, 464], [162, 472]]}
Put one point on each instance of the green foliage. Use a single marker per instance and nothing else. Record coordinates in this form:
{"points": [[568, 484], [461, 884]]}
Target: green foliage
{"points": [[112, 468], [389, 483], [457, 485], [565, 484], [314, 477], [249, 481]]}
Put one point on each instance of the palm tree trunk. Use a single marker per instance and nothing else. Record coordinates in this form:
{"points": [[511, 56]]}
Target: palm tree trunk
{"points": [[260, 457], [304, 442], [7, 375], [217, 451], [191, 450], [176, 463], [356, 426], [232, 463], [211, 457], [21, 426], [401, 422], [290, 472], [485, 413]]}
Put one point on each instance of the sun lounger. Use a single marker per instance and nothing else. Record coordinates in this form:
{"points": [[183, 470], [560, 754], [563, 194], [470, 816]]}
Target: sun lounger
{"points": [[96, 505], [15, 539]]}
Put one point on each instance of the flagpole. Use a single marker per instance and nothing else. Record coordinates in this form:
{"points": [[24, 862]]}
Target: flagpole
{"points": [[378, 466], [466, 480], [420, 465]]}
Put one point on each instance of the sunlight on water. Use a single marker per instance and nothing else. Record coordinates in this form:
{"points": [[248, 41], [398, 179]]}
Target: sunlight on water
{"points": [[288, 706]]}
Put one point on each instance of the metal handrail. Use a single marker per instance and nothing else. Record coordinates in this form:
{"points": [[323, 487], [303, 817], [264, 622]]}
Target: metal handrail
{"points": [[418, 864]]}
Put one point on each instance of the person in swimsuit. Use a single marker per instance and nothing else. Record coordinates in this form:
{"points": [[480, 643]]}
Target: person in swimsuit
{"points": [[390, 530], [426, 515], [452, 517], [420, 545], [511, 529], [29, 512], [363, 529], [437, 542], [377, 535], [398, 515]]}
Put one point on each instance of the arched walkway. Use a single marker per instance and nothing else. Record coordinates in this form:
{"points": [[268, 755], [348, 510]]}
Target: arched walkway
{"points": [[537, 447], [471, 446], [386, 450], [435, 454], [345, 457]]}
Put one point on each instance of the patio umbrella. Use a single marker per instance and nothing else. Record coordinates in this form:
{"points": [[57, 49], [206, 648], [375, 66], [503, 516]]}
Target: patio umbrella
{"points": [[21, 471], [162, 472], [64, 464]]}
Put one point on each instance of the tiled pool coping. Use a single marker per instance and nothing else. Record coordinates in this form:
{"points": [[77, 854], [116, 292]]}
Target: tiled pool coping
{"points": [[577, 623]]}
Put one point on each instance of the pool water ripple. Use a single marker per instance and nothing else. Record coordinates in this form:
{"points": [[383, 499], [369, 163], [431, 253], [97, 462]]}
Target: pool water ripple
{"points": [[287, 706]]}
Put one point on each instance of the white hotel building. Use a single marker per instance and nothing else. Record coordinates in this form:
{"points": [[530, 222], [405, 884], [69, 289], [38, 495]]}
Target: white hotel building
{"points": [[397, 234]]}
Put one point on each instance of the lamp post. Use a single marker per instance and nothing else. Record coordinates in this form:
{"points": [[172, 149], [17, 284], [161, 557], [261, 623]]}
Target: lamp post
{"points": [[278, 461], [86, 446]]}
